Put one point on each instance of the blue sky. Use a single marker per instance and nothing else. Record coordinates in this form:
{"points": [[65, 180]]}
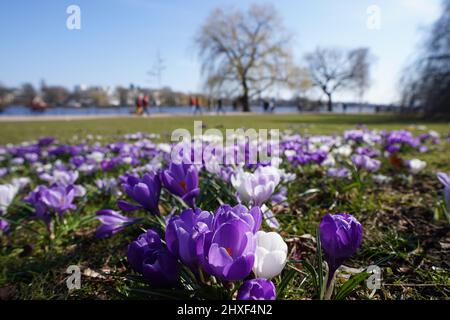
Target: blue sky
{"points": [[119, 39]]}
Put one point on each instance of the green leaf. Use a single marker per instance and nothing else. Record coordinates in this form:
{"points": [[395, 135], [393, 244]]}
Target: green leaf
{"points": [[313, 273], [285, 280], [350, 285], [309, 191]]}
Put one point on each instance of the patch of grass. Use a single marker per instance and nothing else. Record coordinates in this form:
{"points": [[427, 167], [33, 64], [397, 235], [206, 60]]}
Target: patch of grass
{"points": [[64, 129]]}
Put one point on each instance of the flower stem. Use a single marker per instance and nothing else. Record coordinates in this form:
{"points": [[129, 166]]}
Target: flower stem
{"points": [[330, 284]]}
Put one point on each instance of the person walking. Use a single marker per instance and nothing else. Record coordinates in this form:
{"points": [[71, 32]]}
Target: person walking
{"points": [[265, 104], [220, 106], [139, 104], [344, 107], [235, 105], [197, 105], [145, 104], [272, 105], [192, 103]]}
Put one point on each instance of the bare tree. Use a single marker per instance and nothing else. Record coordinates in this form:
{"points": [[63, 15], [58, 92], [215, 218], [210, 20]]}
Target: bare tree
{"points": [[244, 52], [426, 83], [333, 69], [157, 69]]}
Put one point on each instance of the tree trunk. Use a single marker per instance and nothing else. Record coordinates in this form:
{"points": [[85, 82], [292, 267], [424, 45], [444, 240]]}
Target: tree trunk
{"points": [[244, 98], [330, 103]]}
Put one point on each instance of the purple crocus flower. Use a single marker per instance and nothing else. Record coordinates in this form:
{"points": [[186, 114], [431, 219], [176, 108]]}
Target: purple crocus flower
{"points": [[77, 161], [59, 198], [257, 289], [45, 141], [338, 172], [4, 226], [227, 251], [445, 180], [148, 241], [252, 217], [147, 255], [109, 164], [61, 177], [160, 268], [366, 163], [182, 180], [340, 236], [367, 151], [145, 192], [183, 231], [3, 172], [40, 209], [112, 223]]}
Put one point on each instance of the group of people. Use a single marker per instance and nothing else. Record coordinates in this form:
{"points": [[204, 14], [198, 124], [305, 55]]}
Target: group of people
{"points": [[268, 106], [143, 101], [195, 105]]}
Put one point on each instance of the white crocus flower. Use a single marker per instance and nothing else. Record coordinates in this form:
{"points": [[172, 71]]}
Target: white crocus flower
{"points": [[290, 153], [381, 178], [256, 187], [7, 194], [344, 150], [416, 165], [270, 255], [96, 156], [329, 161], [241, 182], [21, 182], [164, 147], [270, 218]]}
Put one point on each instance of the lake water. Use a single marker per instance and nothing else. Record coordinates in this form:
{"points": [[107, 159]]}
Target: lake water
{"points": [[66, 111]]}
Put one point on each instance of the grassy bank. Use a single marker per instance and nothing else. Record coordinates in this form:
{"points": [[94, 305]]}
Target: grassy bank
{"points": [[109, 128], [18, 131]]}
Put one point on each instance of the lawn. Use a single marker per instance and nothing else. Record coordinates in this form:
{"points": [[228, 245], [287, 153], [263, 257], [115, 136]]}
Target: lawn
{"points": [[15, 131], [405, 223], [110, 128]]}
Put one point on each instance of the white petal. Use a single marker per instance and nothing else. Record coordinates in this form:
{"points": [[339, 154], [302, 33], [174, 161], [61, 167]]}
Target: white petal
{"points": [[272, 265]]}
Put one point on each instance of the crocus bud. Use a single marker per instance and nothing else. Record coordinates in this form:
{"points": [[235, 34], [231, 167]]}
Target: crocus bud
{"points": [[340, 236], [145, 192], [416, 165], [112, 223], [257, 289], [148, 241], [270, 256]]}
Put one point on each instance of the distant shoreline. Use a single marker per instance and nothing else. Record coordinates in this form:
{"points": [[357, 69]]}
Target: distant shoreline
{"points": [[122, 116]]}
